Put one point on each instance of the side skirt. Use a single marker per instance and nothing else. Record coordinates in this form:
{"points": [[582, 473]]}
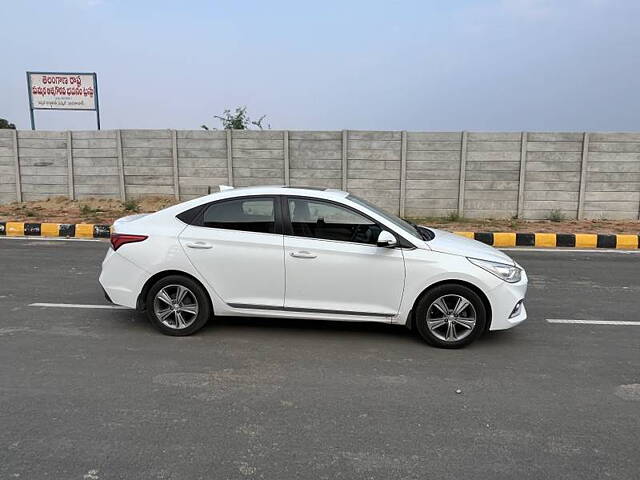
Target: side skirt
{"points": [[311, 310]]}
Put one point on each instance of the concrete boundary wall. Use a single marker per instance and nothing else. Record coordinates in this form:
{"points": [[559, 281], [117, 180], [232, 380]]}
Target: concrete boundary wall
{"points": [[417, 174]]}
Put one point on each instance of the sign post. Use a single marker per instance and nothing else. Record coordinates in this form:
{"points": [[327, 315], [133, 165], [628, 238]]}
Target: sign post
{"points": [[62, 91]]}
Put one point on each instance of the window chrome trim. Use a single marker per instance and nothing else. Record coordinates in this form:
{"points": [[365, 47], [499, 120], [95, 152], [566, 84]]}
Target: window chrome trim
{"points": [[283, 224]]}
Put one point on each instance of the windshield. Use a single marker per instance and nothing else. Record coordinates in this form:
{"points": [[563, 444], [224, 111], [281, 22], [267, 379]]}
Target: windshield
{"points": [[397, 221]]}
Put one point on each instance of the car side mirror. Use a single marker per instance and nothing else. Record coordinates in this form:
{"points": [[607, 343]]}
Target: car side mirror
{"points": [[386, 239]]}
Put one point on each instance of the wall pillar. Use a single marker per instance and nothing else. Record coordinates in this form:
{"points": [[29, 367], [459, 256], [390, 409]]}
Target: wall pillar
{"points": [[123, 191], [17, 166], [345, 149], [70, 180], [174, 155], [286, 157], [583, 175], [463, 170], [230, 157], [523, 173], [403, 174]]}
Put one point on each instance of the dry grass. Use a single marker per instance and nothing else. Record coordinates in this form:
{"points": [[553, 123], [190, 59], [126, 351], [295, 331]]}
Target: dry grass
{"points": [[532, 226], [89, 210]]}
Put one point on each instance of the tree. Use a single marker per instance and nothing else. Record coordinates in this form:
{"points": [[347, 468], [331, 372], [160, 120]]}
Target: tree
{"points": [[5, 124], [238, 120]]}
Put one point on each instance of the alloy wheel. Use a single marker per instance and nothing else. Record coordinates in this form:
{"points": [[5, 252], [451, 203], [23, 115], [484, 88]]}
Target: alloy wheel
{"points": [[175, 306], [451, 318]]}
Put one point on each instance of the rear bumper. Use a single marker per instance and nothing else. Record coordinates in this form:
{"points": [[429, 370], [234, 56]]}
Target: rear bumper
{"points": [[503, 300], [121, 280]]}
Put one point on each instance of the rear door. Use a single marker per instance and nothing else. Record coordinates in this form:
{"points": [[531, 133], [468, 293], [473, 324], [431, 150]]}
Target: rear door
{"points": [[333, 264], [237, 246]]}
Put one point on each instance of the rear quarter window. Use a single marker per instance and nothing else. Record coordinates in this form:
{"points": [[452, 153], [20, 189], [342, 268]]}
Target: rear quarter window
{"points": [[190, 216]]}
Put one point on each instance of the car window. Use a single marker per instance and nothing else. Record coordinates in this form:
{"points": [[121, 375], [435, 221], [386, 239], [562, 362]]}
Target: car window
{"points": [[327, 221], [398, 222], [248, 215]]}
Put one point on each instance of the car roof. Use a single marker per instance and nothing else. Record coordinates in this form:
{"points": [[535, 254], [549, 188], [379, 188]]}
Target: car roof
{"points": [[227, 192], [282, 190]]}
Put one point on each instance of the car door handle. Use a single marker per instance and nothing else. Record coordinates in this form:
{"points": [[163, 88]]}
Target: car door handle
{"points": [[303, 254], [200, 245]]}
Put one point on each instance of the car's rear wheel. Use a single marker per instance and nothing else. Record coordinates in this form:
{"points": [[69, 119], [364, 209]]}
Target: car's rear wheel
{"points": [[450, 316], [177, 305]]}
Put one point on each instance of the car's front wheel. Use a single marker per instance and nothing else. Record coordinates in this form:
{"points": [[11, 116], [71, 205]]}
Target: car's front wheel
{"points": [[177, 305], [450, 316]]}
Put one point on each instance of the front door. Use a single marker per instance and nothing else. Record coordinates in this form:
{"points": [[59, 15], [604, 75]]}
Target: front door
{"points": [[333, 264], [237, 247]]}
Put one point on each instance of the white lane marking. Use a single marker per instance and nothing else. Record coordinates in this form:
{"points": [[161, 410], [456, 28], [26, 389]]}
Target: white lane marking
{"points": [[592, 322], [78, 305]]}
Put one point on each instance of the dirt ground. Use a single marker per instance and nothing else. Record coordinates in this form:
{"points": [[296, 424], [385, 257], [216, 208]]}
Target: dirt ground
{"points": [[89, 210], [533, 226], [105, 211]]}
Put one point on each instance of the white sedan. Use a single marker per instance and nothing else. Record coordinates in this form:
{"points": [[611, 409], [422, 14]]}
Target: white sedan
{"points": [[305, 253]]}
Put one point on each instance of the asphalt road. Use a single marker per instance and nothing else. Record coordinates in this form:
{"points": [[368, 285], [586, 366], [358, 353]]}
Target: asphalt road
{"points": [[99, 394]]}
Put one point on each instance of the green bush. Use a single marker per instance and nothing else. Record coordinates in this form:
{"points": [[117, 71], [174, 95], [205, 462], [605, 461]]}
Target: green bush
{"points": [[238, 121], [556, 216], [131, 206], [87, 210], [453, 216], [5, 124]]}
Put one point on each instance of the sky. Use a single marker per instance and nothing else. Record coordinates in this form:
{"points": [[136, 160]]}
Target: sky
{"points": [[483, 65]]}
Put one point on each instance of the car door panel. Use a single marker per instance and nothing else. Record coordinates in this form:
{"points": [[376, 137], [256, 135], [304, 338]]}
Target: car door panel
{"points": [[242, 267], [342, 277], [237, 246], [332, 262]]}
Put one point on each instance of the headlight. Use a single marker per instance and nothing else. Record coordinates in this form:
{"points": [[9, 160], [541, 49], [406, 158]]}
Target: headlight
{"points": [[508, 273]]}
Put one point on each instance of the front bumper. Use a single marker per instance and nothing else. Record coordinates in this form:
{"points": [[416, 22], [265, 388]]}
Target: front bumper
{"points": [[106, 295], [503, 299]]}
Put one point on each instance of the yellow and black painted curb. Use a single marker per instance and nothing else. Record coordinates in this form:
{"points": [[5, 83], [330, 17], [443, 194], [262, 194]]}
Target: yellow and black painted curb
{"points": [[495, 239], [64, 230], [551, 240]]}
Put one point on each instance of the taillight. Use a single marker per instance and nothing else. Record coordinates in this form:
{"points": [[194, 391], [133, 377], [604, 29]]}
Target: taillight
{"points": [[119, 239]]}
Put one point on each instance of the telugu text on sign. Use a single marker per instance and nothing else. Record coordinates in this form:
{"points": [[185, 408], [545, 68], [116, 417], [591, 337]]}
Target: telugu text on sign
{"points": [[62, 91]]}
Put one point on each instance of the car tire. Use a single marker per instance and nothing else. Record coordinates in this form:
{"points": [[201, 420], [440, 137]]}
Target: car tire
{"points": [[450, 316], [177, 305]]}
